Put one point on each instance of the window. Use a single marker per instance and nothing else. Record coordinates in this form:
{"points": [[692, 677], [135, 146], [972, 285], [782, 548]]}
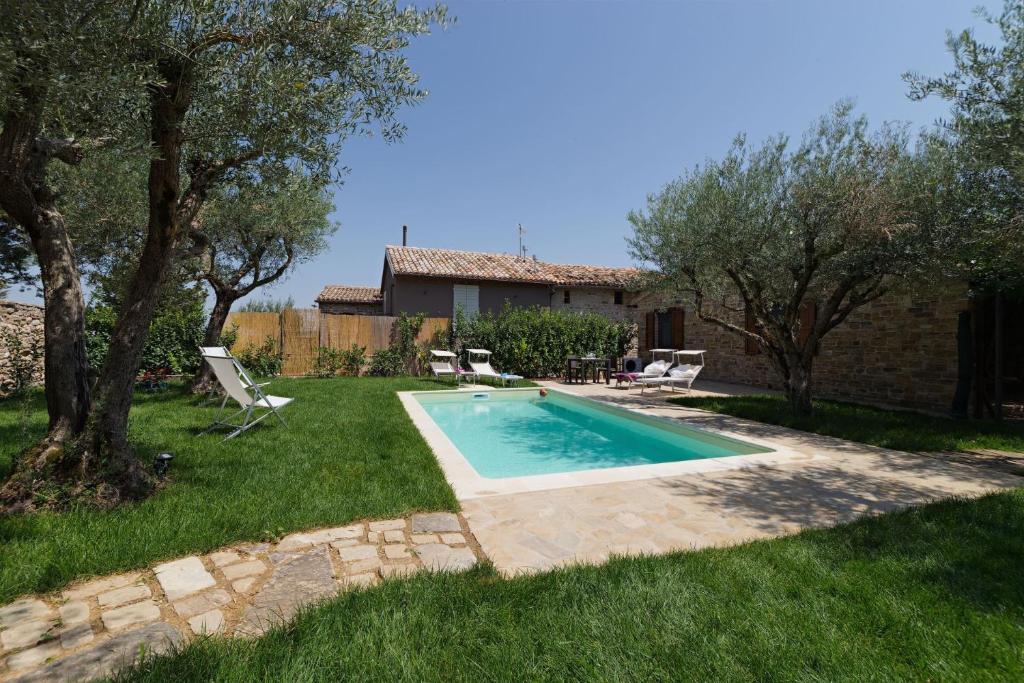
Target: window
{"points": [[565, 298], [467, 297], [618, 297]]}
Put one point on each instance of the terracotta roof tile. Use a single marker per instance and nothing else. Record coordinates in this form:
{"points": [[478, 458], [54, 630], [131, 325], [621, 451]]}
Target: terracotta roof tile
{"points": [[475, 265], [344, 294]]}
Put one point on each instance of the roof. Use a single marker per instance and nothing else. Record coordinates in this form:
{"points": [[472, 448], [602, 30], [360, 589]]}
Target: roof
{"points": [[346, 294], [475, 265]]}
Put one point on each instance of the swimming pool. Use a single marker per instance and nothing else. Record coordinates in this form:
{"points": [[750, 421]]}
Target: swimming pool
{"points": [[518, 433]]}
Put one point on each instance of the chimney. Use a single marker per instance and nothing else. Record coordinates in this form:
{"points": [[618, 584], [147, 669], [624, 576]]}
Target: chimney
{"points": [[405, 234]]}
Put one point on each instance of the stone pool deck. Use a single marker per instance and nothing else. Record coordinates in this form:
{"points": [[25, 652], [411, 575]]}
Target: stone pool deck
{"points": [[92, 628], [837, 482]]}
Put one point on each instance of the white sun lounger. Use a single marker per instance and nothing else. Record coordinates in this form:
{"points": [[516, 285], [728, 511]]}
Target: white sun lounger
{"points": [[238, 385], [483, 368], [446, 364], [654, 374], [219, 352]]}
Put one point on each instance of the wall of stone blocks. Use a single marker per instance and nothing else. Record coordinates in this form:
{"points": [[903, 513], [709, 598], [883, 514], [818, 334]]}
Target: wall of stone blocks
{"points": [[25, 323], [899, 350]]}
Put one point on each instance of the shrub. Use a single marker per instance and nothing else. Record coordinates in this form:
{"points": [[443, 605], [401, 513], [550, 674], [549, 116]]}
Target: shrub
{"points": [[263, 360], [402, 356], [535, 341], [24, 360], [175, 334], [353, 360], [327, 363]]}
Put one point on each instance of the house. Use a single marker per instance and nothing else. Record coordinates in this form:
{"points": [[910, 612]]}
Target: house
{"points": [[438, 281], [906, 349]]}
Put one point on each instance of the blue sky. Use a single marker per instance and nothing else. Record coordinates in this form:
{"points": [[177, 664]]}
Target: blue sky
{"points": [[563, 116]]}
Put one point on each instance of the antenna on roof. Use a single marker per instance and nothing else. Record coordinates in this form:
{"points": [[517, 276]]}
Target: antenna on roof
{"points": [[522, 249]]}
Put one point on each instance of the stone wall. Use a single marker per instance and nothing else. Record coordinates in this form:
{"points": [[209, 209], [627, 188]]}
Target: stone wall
{"points": [[601, 302], [24, 323], [899, 350]]}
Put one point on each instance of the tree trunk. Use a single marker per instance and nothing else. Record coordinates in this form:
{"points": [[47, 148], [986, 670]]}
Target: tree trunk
{"points": [[214, 328], [106, 435], [798, 386]]}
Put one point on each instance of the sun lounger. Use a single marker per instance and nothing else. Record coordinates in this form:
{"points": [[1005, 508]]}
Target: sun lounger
{"points": [[482, 367], [446, 364], [250, 397]]}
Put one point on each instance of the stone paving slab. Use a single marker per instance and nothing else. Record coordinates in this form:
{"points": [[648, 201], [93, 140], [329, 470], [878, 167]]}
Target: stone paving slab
{"points": [[94, 626]]}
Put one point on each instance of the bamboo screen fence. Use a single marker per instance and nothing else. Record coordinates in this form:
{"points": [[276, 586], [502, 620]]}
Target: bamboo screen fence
{"points": [[299, 332]]}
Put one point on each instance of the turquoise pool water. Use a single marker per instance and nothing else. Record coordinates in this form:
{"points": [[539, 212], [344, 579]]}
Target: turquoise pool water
{"points": [[520, 433]]}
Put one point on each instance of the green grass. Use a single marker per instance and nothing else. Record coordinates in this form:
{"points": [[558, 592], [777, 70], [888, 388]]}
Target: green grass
{"points": [[899, 429], [932, 593], [349, 452]]}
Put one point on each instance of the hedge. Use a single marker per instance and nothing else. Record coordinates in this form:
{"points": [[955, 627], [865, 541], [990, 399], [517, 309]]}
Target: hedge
{"points": [[535, 341]]}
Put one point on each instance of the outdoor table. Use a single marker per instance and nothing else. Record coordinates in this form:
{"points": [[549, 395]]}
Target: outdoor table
{"points": [[593, 362]]}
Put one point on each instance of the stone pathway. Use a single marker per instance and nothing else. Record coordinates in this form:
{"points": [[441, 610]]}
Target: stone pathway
{"points": [[92, 628]]}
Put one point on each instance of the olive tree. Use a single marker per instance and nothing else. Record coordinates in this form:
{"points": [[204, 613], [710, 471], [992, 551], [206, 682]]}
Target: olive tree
{"points": [[250, 235], [228, 89], [776, 231]]}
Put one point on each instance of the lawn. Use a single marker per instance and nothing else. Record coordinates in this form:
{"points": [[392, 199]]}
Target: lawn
{"points": [[898, 429], [349, 452], [932, 593]]}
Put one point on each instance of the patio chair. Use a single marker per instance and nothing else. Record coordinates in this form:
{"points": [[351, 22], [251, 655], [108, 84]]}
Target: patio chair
{"points": [[218, 352], [482, 368], [238, 385]]}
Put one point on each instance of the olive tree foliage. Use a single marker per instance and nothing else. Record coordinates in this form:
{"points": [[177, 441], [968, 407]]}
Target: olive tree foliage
{"points": [[15, 257], [829, 224], [985, 137], [228, 90], [252, 234]]}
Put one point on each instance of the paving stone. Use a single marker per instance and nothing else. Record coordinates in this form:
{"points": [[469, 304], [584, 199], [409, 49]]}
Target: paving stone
{"points": [[244, 585], [435, 522], [440, 557], [424, 538], [306, 538], [122, 596], [373, 537], [130, 615], [28, 609], [183, 577], [453, 539], [208, 622], [370, 564], [25, 633], [361, 580], [394, 536], [298, 579], [74, 636], [397, 551], [254, 548], [75, 612], [224, 557], [97, 586], [387, 525], [357, 552], [398, 570], [204, 602], [34, 657], [345, 543], [250, 568], [106, 656]]}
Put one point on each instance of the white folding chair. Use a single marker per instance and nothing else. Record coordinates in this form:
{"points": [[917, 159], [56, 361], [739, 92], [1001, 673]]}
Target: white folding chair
{"points": [[215, 389], [238, 385]]}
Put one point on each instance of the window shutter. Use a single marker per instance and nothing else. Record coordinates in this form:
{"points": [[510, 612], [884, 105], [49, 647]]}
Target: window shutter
{"points": [[468, 298], [649, 331], [678, 328]]}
